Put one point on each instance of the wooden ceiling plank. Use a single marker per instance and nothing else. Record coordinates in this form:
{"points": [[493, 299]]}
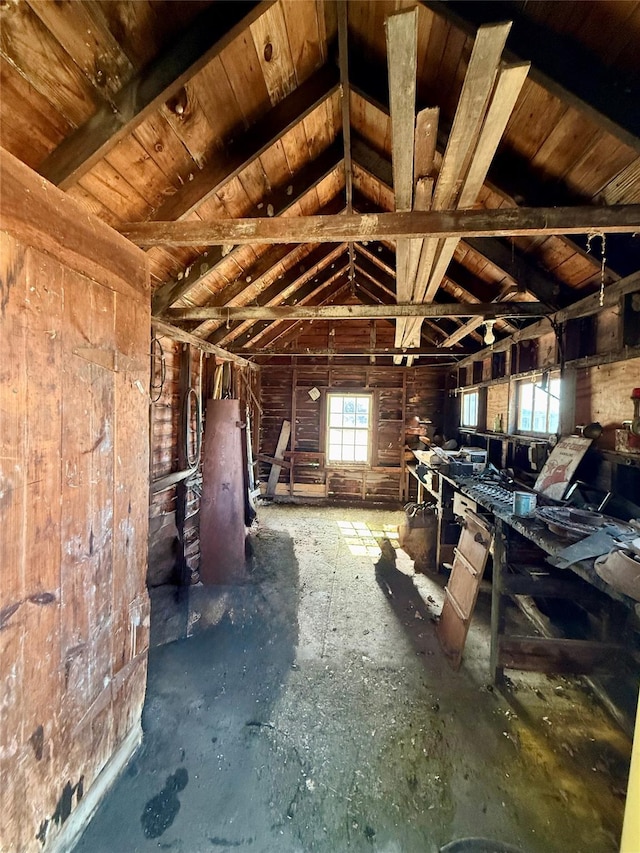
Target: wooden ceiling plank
{"points": [[433, 309], [309, 293], [269, 33], [521, 221], [83, 33], [262, 136], [573, 74], [164, 328], [143, 94], [280, 200], [28, 45], [305, 37]]}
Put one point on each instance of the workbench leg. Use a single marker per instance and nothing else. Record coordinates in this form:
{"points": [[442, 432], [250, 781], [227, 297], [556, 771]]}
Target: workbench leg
{"points": [[497, 601]]}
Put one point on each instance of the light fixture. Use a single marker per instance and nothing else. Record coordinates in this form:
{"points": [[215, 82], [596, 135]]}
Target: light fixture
{"points": [[489, 337]]}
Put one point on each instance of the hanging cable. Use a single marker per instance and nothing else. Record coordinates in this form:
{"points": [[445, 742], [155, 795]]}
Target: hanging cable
{"points": [[157, 388], [192, 460]]}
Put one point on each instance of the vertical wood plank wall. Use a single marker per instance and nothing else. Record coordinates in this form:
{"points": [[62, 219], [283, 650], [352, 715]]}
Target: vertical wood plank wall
{"points": [[74, 374], [398, 393]]}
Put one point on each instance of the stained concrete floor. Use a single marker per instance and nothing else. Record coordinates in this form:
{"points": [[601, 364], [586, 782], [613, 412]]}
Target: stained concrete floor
{"points": [[312, 710]]}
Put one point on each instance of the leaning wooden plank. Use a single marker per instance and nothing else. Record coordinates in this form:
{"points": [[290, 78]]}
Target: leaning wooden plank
{"points": [[281, 446], [335, 228], [476, 91], [508, 86], [401, 30], [401, 36], [180, 335], [148, 90]]}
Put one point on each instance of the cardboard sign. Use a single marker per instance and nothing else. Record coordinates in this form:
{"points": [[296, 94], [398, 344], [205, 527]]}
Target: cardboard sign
{"points": [[559, 469]]}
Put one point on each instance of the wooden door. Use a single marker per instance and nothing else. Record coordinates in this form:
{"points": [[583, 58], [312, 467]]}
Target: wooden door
{"points": [[462, 590]]}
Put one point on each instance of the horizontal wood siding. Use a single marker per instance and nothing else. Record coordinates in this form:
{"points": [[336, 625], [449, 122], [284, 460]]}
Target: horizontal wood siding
{"points": [[398, 393]]}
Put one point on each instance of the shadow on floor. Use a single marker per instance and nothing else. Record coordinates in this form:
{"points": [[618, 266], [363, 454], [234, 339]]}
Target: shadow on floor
{"points": [[415, 615], [195, 783]]}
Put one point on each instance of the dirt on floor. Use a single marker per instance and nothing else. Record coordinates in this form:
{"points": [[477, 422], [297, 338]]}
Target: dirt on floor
{"points": [[311, 709]]}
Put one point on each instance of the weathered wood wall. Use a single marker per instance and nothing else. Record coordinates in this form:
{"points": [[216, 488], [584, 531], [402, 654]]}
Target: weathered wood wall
{"points": [[398, 393], [74, 373], [166, 412]]}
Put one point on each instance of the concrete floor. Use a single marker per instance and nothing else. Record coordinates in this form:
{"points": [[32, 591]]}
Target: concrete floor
{"points": [[312, 710]]}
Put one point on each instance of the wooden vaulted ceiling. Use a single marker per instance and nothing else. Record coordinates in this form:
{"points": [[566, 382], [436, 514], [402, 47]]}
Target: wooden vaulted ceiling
{"points": [[151, 111]]}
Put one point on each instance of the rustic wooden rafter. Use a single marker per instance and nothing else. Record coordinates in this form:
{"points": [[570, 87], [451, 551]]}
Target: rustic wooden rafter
{"points": [[164, 328], [503, 222], [336, 312], [148, 90], [261, 136], [279, 200]]}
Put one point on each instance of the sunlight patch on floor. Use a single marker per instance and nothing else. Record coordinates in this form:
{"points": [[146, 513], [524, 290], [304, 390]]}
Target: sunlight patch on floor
{"points": [[364, 541]]}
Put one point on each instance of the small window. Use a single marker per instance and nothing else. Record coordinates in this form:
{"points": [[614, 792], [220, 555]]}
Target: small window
{"points": [[469, 410], [349, 419], [539, 405]]}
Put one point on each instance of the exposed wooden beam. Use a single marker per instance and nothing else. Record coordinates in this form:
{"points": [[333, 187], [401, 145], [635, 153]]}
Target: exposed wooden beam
{"points": [[338, 312], [214, 29], [262, 135], [325, 351], [345, 99], [504, 222], [293, 288], [280, 200], [164, 328]]}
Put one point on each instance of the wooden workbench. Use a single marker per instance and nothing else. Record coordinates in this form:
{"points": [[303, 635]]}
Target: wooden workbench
{"points": [[521, 572]]}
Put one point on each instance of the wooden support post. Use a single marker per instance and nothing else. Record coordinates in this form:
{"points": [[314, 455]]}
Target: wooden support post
{"points": [[182, 487], [497, 601]]}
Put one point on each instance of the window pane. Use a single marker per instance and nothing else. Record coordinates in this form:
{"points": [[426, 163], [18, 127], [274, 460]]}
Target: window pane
{"points": [[348, 428], [540, 403], [335, 436], [470, 409], [525, 414]]}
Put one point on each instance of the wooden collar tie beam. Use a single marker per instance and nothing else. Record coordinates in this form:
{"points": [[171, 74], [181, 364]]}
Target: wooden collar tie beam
{"points": [[344, 227], [359, 312]]}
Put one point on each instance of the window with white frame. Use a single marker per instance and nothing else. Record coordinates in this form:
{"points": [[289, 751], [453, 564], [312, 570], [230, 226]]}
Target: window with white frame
{"points": [[539, 405], [349, 427], [469, 409]]}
